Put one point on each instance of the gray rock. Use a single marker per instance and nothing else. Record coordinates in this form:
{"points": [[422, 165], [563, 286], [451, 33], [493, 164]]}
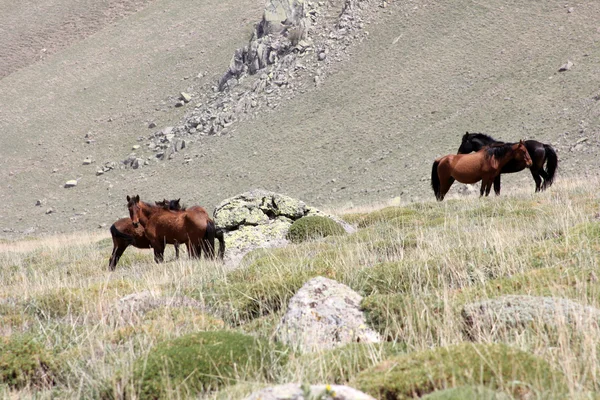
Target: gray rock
{"points": [[294, 391], [151, 125], [324, 314], [71, 183], [49, 210], [185, 97], [515, 313], [566, 67], [87, 161], [38, 203]]}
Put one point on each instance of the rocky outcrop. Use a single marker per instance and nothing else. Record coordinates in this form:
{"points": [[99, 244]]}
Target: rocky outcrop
{"points": [[518, 312], [294, 391], [260, 219], [324, 314]]}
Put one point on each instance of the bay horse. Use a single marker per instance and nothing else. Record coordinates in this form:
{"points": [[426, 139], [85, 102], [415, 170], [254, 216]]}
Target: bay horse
{"points": [[540, 154], [192, 226], [124, 234], [484, 165]]}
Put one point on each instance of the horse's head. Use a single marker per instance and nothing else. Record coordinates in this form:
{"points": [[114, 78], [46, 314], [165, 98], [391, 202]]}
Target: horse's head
{"points": [[174, 204], [133, 205], [466, 146], [523, 154]]}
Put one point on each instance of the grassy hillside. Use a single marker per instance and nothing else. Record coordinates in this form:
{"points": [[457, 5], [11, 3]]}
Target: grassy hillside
{"points": [[415, 265], [428, 72]]}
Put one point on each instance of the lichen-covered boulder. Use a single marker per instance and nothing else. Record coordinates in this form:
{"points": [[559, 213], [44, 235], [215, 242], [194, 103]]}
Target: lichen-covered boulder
{"points": [[514, 313], [294, 391], [261, 219], [324, 314]]}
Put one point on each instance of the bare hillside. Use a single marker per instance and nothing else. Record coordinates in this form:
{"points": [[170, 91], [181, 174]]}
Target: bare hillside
{"points": [[427, 73]]}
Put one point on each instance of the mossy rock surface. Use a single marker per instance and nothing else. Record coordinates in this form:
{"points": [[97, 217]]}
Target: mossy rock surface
{"points": [[24, 362], [313, 227], [203, 361], [496, 366], [467, 393]]}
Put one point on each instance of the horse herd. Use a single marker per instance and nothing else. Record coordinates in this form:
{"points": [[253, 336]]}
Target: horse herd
{"points": [[165, 222], [490, 159], [480, 158]]}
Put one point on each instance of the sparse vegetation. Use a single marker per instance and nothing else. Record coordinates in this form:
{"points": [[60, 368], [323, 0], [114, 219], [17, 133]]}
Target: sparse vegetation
{"points": [[313, 227], [415, 272]]}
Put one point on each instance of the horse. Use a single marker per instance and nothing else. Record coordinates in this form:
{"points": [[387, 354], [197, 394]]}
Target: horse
{"points": [[170, 204], [192, 226], [125, 234], [484, 165], [540, 153]]}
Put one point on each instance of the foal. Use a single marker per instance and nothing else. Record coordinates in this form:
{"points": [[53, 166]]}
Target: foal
{"points": [[192, 226], [484, 166]]}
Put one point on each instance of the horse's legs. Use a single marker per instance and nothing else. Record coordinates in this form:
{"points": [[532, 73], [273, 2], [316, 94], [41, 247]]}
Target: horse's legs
{"points": [[545, 176], [176, 250], [488, 187], [159, 252], [537, 179], [444, 187], [497, 185], [117, 252]]}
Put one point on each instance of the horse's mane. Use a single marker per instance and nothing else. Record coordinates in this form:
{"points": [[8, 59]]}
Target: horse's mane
{"points": [[484, 137], [498, 150]]}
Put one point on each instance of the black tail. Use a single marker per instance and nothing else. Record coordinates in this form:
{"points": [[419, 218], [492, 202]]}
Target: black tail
{"points": [[435, 180], [120, 235], [219, 236], [551, 165]]}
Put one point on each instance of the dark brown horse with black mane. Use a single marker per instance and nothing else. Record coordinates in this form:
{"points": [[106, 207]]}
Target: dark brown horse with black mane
{"points": [[540, 154], [192, 226], [124, 234], [484, 166]]}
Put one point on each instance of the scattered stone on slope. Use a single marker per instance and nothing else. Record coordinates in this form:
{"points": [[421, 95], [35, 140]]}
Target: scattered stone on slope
{"points": [[280, 61], [514, 313], [261, 219], [324, 314], [566, 67], [294, 391], [87, 161], [71, 183]]}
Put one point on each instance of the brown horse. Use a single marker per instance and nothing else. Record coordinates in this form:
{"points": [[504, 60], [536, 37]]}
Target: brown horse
{"points": [[484, 165], [124, 234], [192, 226]]}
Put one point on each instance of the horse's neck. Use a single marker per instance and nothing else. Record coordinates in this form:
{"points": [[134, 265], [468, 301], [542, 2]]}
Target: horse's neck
{"points": [[507, 157], [147, 212]]}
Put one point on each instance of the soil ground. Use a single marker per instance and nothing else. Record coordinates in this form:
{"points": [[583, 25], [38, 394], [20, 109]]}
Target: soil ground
{"points": [[428, 72]]}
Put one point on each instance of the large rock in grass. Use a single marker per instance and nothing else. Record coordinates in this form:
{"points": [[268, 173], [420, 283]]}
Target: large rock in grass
{"points": [[294, 391], [492, 365], [324, 314], [261, 219], [510, 314]]}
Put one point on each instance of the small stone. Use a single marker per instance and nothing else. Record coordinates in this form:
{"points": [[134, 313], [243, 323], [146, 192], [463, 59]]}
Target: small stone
{"points": [[99, 172], [566, 67], [182, 145], [135, 147], [180, 103], [55, 170], [49, 210], [185, 97], [322, 56], [570, 10], [87, 161], [151, 125], [38, 203], [71, 183]]}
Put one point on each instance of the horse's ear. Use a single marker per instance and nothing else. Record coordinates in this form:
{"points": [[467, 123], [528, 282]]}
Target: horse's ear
{"points": [[494, 162], [465, 136], [521, 142], [137, 198], [128, 198]]}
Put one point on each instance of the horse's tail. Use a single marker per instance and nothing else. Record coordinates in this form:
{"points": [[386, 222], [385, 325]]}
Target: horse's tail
{"points": [[219, 236], [120, 235], [551, 165], [435, 179]]}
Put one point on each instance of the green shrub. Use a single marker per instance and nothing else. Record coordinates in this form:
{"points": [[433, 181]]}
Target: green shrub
{"points": [[313, 227], [496, 366], [204, 361], [26, 362], [400, 215]]}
